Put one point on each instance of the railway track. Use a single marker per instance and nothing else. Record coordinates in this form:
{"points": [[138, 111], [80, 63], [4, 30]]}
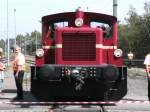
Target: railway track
{"points": [[76, 108]]}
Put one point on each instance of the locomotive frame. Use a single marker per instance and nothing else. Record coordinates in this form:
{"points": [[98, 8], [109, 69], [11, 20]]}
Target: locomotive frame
{"points": [[79, 62]]}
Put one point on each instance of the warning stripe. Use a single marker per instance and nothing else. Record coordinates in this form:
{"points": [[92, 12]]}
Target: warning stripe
{"points": [[96, 46], [77, 103]]}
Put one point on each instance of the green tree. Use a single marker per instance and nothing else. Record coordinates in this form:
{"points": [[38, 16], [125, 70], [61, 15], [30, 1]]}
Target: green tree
{"points": [[28, 42], [33, 41], [2, 44], [135, 35]]}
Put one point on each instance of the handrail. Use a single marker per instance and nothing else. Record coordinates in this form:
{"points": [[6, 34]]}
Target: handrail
{"points": [[135, 62]]}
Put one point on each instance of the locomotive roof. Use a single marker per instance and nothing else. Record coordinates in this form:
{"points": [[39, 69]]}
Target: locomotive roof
{"points": [[68, 16]]}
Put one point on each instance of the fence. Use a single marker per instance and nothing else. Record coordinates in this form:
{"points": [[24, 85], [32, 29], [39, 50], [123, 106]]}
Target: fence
{"points": [[135, 62]]}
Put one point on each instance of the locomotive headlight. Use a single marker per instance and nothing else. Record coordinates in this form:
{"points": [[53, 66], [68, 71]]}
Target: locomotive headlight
{"points": [[118, 53], [39, 53], [79, 22]]}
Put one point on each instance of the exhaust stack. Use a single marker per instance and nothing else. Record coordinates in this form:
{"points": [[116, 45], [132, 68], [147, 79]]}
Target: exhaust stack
{"points": [[115, 8]]}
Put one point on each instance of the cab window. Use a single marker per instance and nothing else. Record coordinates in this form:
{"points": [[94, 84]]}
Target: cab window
{"points": [[107, 29]]}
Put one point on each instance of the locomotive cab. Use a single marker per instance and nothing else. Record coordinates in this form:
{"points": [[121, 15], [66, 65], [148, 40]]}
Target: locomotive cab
{"points": [[79, 59]]}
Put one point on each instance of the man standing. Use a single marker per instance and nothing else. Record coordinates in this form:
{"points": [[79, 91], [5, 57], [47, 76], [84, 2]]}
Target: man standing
{"points": [[130, 58], [18, 68], [147, 66]]}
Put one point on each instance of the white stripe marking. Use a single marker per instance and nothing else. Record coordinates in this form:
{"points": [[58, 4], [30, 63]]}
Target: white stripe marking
{"points": [[101, 102], [105, 47], [97, 46]]}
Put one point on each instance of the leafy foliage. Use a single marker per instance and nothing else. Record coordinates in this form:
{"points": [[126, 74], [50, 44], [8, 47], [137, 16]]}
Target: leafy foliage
{"points": [[135, 35], [27, 42]]}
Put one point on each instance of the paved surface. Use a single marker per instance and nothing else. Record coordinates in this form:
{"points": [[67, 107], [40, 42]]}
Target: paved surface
{"points": [[9, 92], [10, 87], [137, 84]]}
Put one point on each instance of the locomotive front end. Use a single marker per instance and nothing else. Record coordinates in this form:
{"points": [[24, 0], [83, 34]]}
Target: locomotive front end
{"points": [[83, 64]]}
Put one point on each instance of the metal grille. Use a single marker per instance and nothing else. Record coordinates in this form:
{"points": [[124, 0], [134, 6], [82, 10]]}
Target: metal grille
{"points": [[78, 46]]}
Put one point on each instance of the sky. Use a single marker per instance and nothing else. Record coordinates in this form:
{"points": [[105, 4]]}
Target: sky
{"points": [[27, 16]]}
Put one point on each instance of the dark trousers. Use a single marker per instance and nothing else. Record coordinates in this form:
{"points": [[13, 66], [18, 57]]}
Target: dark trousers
{"points": [[130, 63], [149, 89], [19, 83], [148, 78]]}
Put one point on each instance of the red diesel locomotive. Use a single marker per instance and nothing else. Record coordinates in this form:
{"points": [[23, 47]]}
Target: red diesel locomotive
{"points": [[79, 59]]}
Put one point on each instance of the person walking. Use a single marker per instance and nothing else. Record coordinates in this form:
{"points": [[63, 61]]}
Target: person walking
{"points": [[2, 68], [147, 66], [18, 68]]}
